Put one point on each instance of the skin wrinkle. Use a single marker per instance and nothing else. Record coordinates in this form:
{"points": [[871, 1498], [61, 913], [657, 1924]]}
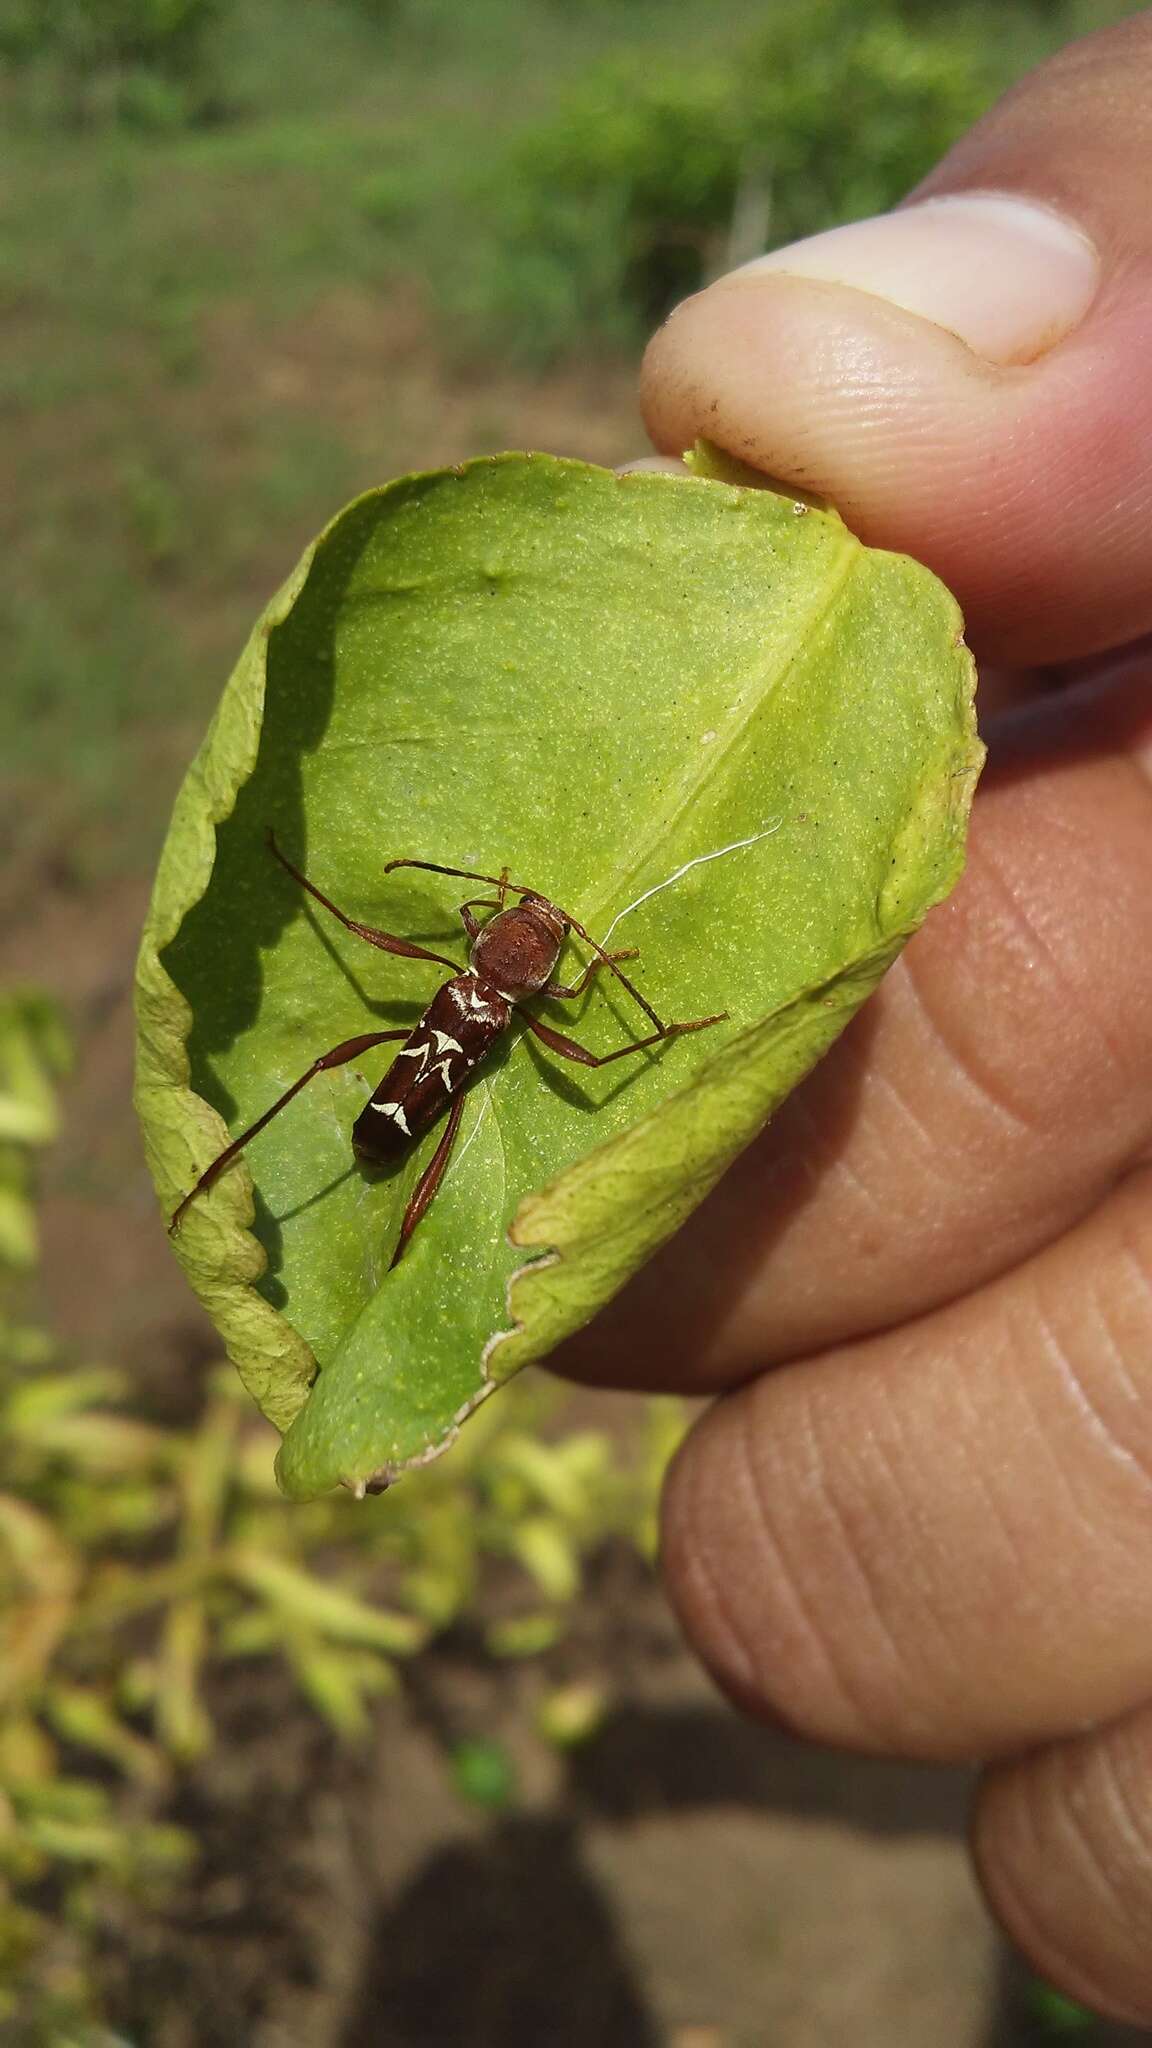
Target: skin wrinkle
{"points": [[1012, 1897], [1083, 1829], [892, 1087], [1124, 1809], [978, 1480], [989, 1097], [836, 1514], [1074, 1386], [1078, 991], [914, 1535], [759, 1519], [1062, 1379], [1127, 1257], [919, 1540], [1128, 1775], [967, 1421], [1015, 1893], [1082, 1500], [823, 1165], [791, 1580], [833, 1166], [1075, 993], [977, 1476], [880, 396], [939, 1163], [702, 1587], [685, 1541], [875, 1202]]}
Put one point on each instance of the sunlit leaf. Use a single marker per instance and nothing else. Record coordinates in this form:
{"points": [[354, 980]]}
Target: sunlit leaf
{"points": [[701, 717]]}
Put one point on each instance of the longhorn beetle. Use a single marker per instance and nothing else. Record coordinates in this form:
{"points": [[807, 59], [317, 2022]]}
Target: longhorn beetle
{"points": [[511, 958]]}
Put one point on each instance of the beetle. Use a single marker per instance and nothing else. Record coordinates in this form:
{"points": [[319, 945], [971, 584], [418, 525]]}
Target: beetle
{"points": [[512, 957]]}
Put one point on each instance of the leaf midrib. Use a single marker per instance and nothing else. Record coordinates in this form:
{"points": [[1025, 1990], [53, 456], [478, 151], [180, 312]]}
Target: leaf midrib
{"points": [[692, 787]]}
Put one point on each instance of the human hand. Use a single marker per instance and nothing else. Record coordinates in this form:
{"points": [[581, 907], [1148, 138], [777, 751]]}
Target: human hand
{"points": [[927, 1531]]}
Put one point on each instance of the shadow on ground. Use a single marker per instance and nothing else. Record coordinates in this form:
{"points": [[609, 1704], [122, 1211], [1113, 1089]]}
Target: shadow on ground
{"points": [[504, 1941], [666, 1759], [513, 1936]]}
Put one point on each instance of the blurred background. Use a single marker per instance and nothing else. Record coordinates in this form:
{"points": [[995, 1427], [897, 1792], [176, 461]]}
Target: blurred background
{"points": [[433, 1769]]}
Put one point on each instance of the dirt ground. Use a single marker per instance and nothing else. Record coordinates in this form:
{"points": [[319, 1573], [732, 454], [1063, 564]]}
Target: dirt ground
{"points": [[684, 1879]]}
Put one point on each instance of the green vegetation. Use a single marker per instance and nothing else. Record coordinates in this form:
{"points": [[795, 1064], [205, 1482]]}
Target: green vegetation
{"points": [[135, 1558], [646, 181], [214, 332], [140, 62]]}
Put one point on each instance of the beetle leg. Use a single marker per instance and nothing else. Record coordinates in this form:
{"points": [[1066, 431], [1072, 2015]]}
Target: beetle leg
{"points": [[387, 941], [349, 1049], [570, 1050], [430, 1179], [562, 994], [471, 924]]}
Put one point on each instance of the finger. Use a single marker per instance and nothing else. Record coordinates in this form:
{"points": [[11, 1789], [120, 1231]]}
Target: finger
{"points": [[938, 1542], [986, 1098], [966, 378], [1063, 1845]]}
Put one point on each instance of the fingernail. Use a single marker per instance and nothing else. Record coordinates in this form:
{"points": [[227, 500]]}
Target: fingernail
{"points": [[1007, 276]]}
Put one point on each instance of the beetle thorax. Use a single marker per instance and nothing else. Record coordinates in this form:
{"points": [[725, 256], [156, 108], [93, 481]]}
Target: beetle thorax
{"points": [[518, 948]]}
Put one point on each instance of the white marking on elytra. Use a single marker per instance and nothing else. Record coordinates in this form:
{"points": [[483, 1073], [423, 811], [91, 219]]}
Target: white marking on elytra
{"points": [[444, 1070], [444, 1043], [773, 826], [476, 1000], [393, 1109], [415, 1052]]}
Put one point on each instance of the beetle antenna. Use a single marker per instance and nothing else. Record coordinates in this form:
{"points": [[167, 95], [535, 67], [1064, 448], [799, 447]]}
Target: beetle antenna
{"points": [[433, 867]]}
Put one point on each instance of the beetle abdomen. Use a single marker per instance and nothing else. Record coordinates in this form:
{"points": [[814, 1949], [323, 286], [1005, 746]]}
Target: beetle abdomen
{"points": [[461, 1024]]}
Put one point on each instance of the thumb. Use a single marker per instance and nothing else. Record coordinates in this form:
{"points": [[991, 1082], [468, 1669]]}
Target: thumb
{"points": [[966, 378]]}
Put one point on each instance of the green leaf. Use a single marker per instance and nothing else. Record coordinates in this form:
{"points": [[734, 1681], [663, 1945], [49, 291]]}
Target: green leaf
{"points": [[84, 1717], [331, 1610], [483, 1773], [699, 716]]}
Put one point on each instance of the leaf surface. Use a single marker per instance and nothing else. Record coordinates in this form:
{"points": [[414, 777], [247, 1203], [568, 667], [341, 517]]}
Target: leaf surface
{"points": [[699, 716]]}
